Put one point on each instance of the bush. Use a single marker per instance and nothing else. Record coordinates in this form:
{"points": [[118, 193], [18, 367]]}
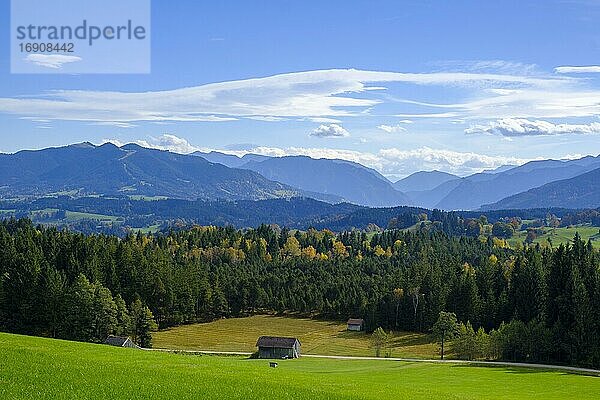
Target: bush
{"points": [[464, 345]]}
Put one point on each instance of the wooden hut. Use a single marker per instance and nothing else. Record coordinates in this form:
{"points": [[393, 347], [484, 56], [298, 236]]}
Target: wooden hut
{"points": [[120, 341], [356, 324], [278, 347]]}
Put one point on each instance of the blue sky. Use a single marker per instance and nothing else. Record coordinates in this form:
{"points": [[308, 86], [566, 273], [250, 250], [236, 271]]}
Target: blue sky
{"points": [[400, 86]]}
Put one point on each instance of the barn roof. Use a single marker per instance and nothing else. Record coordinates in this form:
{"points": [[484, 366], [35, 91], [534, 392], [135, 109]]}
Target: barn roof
{"points": [[116, 340], [356, 321], [274, 341]]}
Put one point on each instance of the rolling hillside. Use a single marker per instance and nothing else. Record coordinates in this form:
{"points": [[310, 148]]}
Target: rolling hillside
{"points": [[39, 368], [317, 337]]}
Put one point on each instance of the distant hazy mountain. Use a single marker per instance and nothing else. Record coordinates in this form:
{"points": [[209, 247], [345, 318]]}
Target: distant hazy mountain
{"points": [[229, 160], [353, 182], [476, 190], [582, 191], [130, 169], [501, 168], [430, 198], [424, 180]]}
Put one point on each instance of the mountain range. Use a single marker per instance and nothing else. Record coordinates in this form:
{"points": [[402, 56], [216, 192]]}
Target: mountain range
{"points": [[85, 169], [582, 191], [326, 176], [423, 180], [477, 190]]}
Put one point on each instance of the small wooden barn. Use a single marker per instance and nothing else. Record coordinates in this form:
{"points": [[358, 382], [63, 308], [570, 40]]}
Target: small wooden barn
{"points": [[278, 347], [120, 341], [356, 324]]}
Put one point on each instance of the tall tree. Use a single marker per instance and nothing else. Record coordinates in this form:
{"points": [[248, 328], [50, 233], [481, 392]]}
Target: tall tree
{"points": [[445, 328], [143, 324]]}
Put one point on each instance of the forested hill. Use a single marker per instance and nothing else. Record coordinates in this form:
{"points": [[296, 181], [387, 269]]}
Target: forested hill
{"points": [[122, 213], [86, 169], [538, 304]]}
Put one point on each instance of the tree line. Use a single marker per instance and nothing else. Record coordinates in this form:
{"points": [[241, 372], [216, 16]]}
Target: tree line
{"points": [[542, 304]]}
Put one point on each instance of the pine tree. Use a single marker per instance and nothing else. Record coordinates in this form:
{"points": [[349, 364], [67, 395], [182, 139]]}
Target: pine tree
{"points": [[105, 313], [79, 311], [143, 324], [124, 324]]}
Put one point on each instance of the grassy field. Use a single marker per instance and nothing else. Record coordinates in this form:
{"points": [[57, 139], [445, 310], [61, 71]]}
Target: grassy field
{"points": [[561, 235], [36, 368], [317, 337], [147, 230], [147, 198], [76, 216]]}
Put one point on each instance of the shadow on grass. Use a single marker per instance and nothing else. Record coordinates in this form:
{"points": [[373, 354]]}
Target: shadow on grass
{"points": [[351, 335], [526, 370], [409, 339]]}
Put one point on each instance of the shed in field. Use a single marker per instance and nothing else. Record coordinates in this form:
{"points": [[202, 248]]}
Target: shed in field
{"points": [[356, 324], [120, 341], [278, 347]]}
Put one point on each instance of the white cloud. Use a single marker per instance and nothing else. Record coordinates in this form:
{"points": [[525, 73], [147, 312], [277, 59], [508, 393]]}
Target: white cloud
{"points": [[578, 69], [116, 124], [396, 163], [490, 66], [403, 162], [331, 130], [391, 162], [312, 94], [563, 102], [524, 127], [322, 120], [166, 141], [431, 115], [265, 118], [54, 61], [392, 128], [406, 121]]}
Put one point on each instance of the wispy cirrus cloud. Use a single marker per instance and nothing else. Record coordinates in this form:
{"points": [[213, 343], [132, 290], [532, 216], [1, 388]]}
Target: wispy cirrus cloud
{"points": [[315, 95], [489, 66], [116, 124], [523, 103], [523, 127], [578, 69]]}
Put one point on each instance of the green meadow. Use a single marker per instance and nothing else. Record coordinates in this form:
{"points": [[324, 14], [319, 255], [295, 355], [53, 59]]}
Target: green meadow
{"points": [[317, 337], [39, 368], [562, 235]]}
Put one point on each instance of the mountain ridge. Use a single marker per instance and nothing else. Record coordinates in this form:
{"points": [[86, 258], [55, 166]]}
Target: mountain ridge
{"points": [[476, 190], [581, 191], [86, 169]]}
